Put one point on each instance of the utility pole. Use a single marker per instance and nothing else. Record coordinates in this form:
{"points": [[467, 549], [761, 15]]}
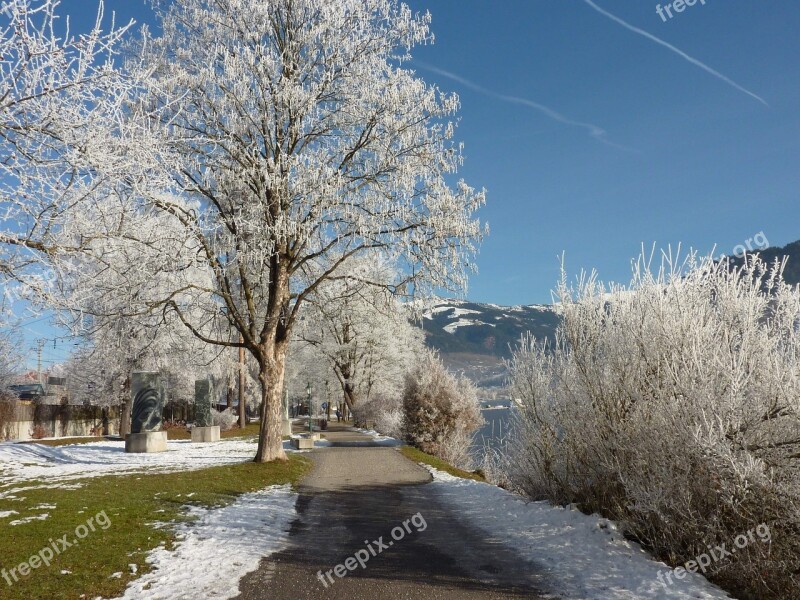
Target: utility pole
{"points": [[39, 346], [242, 413]]}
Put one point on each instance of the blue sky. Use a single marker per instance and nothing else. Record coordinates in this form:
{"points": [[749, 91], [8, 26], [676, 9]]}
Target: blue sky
{"points": [[686, 155], [706, 163]]}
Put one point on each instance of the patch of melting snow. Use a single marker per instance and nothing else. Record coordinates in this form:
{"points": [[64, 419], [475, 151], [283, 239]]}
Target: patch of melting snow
{"points": [[24, 520], [379, 438], [12, 493], [26, 462], [253, 527], [7, 513]]}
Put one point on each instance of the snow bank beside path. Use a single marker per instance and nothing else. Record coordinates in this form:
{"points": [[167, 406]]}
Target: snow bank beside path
{"points": [[584, 556], [379, 439], [216, 551], [26, 462]]}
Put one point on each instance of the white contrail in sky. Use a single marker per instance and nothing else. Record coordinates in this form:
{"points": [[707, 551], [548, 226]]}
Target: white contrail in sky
{"points": [[595, 131], [677, 51]]}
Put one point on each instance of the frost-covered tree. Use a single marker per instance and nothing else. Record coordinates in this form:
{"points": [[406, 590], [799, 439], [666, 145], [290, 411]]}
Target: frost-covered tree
{"points": [[100, 370], [54, 88], [362, 331], [289, 140], [109, 294], [10, 359], [53, 85], [306, 367]]}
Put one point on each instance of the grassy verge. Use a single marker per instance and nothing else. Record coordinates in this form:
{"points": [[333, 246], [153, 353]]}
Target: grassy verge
{"points": [[419, 456], [132, 504], [250, 430]]}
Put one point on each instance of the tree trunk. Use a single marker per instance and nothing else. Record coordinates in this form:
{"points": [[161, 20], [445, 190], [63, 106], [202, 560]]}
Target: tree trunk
{"points": [[127, 407], [350, 397], [345, 371], [271, 354], [242, 403], [271, 376]]}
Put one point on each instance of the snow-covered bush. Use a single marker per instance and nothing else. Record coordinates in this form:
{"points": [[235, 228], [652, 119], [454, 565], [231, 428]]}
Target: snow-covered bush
{"points": [[673, 407], [496, 462], [225, 419], [385, 411], [441, 411]]}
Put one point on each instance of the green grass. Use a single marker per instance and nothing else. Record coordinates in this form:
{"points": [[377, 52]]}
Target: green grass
{"points": [[250, 430], [132, 503], [419, 456]]}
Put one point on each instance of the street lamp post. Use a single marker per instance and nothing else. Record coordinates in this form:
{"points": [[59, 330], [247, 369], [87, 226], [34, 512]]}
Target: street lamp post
{"points": [[308, 394]]}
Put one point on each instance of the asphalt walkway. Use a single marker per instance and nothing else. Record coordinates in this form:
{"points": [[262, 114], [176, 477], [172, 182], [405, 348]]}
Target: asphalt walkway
{"points": [[372, 506]]}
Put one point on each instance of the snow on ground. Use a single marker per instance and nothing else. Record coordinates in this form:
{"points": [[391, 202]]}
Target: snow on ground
{"points": [[24, 520], [455, 312], [216, 551], [459, 312], [436, 310], [26, 462], [11, 494], [584, 556], [379, 438], [451, 327]]}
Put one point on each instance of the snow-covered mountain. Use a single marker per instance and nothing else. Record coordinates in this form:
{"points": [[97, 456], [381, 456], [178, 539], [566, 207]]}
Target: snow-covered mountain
{"points": [[474, 338], [457, 326]]}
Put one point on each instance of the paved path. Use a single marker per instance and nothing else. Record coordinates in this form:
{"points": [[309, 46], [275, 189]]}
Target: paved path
{"points": [[354, 497]]}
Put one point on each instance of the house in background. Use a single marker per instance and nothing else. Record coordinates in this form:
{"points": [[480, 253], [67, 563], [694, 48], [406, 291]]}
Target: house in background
{"points": [[28, 388]]}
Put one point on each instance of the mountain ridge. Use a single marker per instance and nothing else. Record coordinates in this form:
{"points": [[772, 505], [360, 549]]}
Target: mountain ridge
{"points": [[475, 338], [790, 251]]}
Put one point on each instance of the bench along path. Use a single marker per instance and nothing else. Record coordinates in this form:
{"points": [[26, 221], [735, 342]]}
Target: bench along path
{"points": [[349, 505]]}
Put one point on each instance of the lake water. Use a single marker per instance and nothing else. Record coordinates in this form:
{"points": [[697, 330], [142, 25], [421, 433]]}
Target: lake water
{"points": [[495, 432]]}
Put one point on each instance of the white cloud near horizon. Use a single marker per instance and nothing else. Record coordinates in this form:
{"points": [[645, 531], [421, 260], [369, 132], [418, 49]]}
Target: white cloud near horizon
{"points": [[677, 51]]}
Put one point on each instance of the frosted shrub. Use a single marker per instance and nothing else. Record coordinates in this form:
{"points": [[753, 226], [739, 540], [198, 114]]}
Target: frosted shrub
{"points": [[225, 419], [385, 411], [497, 466], [441, 412], [672, 407]]}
